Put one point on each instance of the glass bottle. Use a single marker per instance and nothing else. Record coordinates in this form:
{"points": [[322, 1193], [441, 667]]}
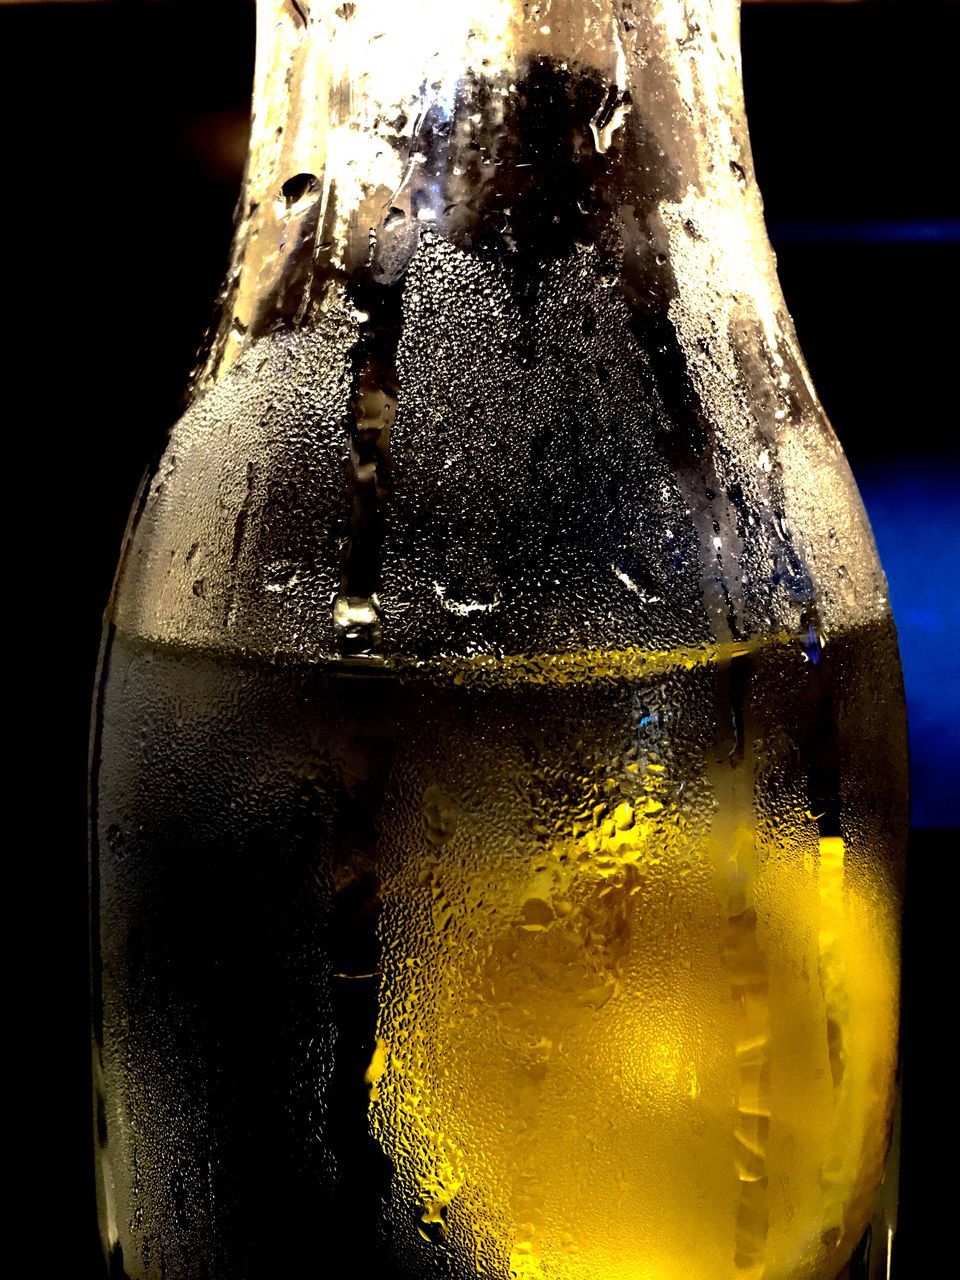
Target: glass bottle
{"points": [[499, 766]]}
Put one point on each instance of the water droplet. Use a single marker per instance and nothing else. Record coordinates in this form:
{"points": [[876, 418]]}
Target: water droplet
{"points": [[609, 117], [298, 188], [813, 644]]}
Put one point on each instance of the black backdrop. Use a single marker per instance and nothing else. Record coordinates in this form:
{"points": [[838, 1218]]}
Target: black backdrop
{"points": [[123, 129]]}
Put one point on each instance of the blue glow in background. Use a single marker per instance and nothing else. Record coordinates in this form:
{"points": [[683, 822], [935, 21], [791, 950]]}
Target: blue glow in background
{"points": [[914, 508]]}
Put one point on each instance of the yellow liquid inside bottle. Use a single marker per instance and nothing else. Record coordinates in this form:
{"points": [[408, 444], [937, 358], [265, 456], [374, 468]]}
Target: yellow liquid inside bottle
{"points": [[566, 968]]}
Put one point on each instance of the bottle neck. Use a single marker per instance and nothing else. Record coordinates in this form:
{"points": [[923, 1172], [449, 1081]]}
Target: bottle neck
{"points": [[513, 129]]}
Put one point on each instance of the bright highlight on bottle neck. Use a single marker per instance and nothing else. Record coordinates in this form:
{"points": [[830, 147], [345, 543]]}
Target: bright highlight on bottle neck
{"points": [[344, 93]]}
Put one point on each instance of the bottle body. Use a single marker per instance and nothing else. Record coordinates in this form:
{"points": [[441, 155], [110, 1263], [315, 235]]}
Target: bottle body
{"points": [[499, 759], [541, 970]]}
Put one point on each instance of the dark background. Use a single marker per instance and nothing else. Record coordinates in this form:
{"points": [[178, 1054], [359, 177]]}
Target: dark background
{"points": [[123, 130]]}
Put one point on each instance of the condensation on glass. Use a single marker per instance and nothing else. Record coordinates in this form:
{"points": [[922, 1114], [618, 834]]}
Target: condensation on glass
{"points": [[499, 766]]}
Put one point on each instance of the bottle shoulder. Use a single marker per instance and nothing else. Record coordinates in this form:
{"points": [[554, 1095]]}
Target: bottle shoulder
{"points": [[564, 470]]}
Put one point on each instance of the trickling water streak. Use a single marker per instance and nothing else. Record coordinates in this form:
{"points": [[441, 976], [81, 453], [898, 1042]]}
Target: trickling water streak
{"points": [[239, 533], [356, 611], [747, 966], [832, 971], [749, 989]]}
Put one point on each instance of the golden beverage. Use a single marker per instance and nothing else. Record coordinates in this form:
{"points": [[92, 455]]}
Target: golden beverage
{"points": [[573, 968]]}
